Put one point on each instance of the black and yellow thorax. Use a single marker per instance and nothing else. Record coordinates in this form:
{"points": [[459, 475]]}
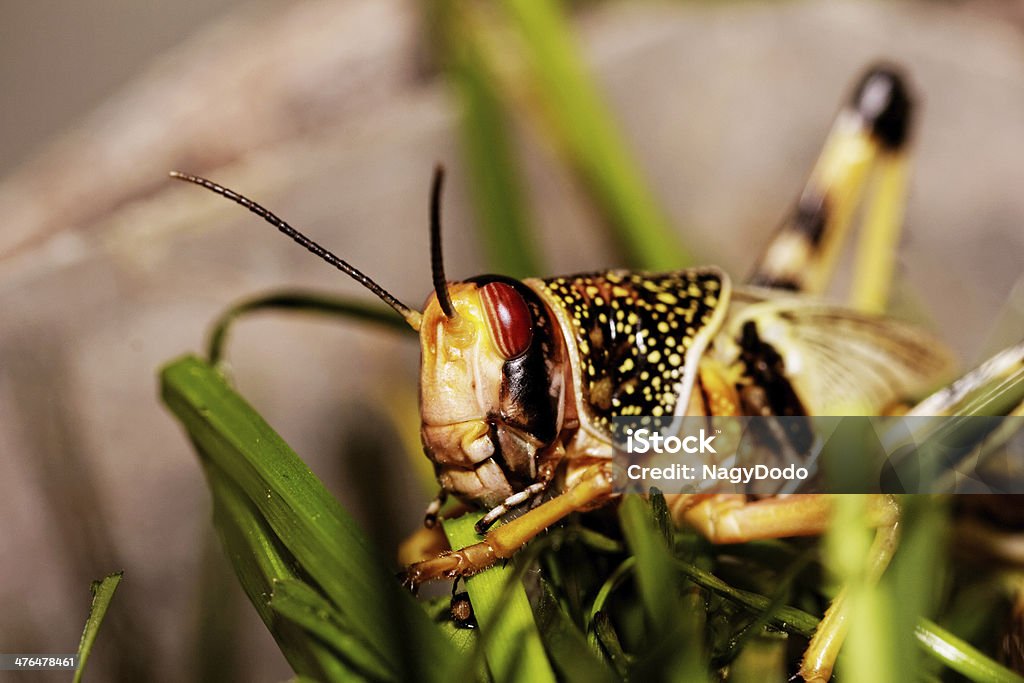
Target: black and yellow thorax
{"points": [[635, 338]]}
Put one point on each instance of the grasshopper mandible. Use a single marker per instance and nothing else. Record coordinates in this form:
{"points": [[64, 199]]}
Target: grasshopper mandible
{"points": [[521, 378]]}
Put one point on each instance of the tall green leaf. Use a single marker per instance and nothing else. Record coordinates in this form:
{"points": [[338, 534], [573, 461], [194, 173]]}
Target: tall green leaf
{"points": [[305, 520]]}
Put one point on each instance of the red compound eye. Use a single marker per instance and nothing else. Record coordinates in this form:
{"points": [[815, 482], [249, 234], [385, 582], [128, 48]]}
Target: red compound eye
{"points": [[508, 318]]}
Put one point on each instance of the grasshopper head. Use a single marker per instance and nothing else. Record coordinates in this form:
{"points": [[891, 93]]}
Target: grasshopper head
{"points": [[490, 386]]}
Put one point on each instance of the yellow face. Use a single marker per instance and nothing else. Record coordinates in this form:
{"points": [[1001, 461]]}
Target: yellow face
{"points": [[485, 403], [460, 378]]}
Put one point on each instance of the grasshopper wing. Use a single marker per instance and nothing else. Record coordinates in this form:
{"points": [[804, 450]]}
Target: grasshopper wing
{"points": [[838, 361]]}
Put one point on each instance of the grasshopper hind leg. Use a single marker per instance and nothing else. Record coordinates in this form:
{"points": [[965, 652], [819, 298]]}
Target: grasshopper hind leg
{"points": [[737, 519], [868, 141], [867, 148]]}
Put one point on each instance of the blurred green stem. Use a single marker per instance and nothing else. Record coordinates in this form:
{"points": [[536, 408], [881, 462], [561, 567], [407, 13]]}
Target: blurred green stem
{"points": [[488, 148], [591, 138]]}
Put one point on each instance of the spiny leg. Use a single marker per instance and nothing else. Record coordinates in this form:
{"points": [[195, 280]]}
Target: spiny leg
{"points": [[734, 519], [592, 488], [516, 499], [871, 130], [545, 473]]}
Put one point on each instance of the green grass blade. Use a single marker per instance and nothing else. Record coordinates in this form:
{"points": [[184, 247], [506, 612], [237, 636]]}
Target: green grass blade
{"points": [[674, 633], [656, 577], [591, 138], [496, 187], [913, 580], [463, 638], [962, 657], [511, 641], [868, 653], [789, 619], [303, 605], [259, 559], [304, 302], [608, 639], [936, 641], [614, 580], [566, 645], [102, 594], [314, 529], [749, 635]]}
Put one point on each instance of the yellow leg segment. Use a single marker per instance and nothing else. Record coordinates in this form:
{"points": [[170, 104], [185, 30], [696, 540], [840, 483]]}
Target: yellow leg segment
{"points": [[734, 519], [593, 488], [880, 235], [820, 656], [868, 140]]}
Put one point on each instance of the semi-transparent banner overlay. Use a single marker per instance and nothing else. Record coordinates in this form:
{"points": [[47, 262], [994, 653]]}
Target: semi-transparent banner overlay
{"points": [[774, 455]]}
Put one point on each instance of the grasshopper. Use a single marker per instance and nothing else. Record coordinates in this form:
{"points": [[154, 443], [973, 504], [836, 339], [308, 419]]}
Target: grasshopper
{"points": [[520, 379]]}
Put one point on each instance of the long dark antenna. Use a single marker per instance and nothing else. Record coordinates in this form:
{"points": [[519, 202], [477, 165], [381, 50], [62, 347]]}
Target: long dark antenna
{"points": [[411, 316], [436, 257]]}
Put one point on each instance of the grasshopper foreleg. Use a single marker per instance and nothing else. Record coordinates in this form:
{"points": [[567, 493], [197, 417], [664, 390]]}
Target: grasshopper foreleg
{"points": [[545, 473], [592, 488]]}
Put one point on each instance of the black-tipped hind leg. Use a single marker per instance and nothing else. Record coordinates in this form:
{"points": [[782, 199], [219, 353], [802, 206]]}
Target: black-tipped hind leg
{"points": [[868, 142]]}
